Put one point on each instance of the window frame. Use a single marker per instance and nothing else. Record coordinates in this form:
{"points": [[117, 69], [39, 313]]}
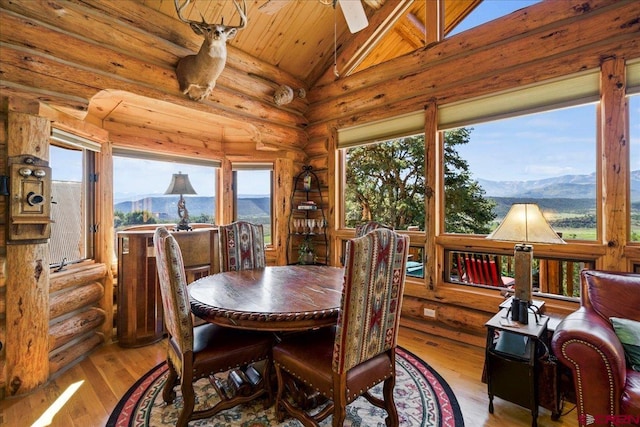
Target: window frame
{"points": [[255, 166], [130, 153], [88, 150]]}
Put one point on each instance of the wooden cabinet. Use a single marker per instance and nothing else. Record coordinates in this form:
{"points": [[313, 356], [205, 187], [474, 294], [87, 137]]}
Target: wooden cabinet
{"points": [[307, 241], [511, 360], [139, 303]]}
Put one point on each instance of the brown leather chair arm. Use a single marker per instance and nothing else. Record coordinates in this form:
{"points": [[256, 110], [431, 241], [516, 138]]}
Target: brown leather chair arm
{"points": [[587, 344]]}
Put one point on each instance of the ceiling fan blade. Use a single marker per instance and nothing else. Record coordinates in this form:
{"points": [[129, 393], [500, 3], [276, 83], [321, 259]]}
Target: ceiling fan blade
{"points": [[354, 14]]}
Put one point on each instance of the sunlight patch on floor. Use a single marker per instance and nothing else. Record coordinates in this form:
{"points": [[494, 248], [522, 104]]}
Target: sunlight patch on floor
{"points": [[47, 417]]}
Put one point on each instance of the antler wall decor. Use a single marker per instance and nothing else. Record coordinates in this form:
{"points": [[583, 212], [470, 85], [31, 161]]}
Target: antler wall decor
{"points": [[197, 74]]}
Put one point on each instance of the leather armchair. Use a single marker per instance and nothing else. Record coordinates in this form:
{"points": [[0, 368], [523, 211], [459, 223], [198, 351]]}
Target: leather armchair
{"points": [[607, 389]]}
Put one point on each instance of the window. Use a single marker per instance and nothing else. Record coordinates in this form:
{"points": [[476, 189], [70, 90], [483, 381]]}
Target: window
{"points": [[140, 181], [546, 158], [553, 276], [633, 92], [533, 144], [253, 189], [634, 134], [489, 10], [72, 192], [382, 165], [384, 182]]}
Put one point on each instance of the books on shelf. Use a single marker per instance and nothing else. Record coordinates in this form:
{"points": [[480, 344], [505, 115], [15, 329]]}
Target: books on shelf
{"points": [[308, 205]]}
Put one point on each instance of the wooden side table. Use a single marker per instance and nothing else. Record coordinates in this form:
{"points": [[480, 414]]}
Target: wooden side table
{"points": [[511, 362]]}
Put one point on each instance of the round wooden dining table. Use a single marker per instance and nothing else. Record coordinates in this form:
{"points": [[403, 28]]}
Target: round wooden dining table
{"points": [[274, 298]]}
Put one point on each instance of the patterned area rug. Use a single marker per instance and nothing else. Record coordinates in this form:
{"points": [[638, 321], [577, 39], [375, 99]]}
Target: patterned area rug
{"points": [[422, 397]]}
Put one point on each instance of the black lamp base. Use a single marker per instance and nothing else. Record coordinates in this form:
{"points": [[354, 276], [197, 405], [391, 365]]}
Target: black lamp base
{"points": [[183, 226]]}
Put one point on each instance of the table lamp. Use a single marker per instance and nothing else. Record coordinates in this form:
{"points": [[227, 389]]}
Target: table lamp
{"points": [[180, 185], [525, 224]]}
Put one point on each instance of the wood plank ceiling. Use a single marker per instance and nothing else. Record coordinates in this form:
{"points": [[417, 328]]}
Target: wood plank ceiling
{"points": [[298, 35], [303, 38]]}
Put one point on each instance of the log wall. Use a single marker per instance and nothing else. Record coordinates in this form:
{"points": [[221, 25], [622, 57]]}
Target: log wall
{"points": [[76, 313]]}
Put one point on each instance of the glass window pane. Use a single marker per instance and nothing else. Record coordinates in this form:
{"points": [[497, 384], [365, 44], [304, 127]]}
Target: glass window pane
{"points": [[553, 277], [68, 210], [488, 10], [139, 186], [384, 182], [253, 198], [634, 127], [546, 158]]}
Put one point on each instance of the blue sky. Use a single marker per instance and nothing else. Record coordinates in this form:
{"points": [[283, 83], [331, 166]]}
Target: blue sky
{"points": [[538, 146]]}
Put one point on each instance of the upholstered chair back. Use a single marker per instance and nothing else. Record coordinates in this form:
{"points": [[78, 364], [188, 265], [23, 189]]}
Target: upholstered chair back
{"points": [[365, 228], [173, 287], [375, 273], [611, 294], [241, 246]]}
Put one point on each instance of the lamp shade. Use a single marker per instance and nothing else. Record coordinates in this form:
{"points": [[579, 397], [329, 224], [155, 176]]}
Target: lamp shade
{"points": [[525, 223], [180, 184]]}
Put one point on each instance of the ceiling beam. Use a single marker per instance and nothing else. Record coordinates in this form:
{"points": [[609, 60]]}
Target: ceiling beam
{"points": [[360, 45]]}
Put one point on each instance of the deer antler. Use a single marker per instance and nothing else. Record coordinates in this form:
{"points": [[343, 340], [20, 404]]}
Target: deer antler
{"points": [[243, 14], [242, 11], [182, 18]]}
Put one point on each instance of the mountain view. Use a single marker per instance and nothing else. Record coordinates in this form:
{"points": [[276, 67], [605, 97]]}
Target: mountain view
{"points": [[567, 196], [566, 186], [166, 206]]}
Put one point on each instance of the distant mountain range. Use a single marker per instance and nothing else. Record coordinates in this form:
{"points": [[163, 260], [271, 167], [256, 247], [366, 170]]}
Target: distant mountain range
{"points": [[567, 193], [167, 206], [566, 186]]}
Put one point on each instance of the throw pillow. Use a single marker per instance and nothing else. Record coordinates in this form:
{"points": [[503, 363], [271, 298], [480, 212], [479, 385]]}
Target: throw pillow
{"points": [[628, 331]]}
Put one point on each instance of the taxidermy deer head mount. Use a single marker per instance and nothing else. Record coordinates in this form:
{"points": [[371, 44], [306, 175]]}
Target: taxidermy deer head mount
{"points": [[197, 74]]}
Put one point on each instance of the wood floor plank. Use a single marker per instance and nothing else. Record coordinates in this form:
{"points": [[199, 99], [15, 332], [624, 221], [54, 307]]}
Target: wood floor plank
{"points": [[109, 372]]}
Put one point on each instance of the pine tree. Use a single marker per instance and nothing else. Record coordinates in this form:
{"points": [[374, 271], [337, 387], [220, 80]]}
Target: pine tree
{"points": [[386, 183]]}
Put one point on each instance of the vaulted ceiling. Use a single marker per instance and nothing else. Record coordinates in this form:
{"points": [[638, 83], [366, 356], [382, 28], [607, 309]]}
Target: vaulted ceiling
{"points": [[302, 37], [113, 62]]}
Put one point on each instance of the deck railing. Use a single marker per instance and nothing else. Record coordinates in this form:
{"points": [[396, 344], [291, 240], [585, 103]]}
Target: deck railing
{"points": [[551, 276]]}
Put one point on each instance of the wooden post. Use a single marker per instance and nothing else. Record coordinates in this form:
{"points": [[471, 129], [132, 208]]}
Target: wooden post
{"points": [[434, 259], [614, 165], [105, 238], [283, 185], [27, 298]]}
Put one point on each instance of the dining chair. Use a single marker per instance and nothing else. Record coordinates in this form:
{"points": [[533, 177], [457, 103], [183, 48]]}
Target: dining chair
{"points": [[344, 362], [241, 246], [199, 352], [366, 227]]}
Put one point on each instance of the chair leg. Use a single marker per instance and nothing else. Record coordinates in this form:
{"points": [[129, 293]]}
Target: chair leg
{"points": [[188, 402], [339, 413], [280, 412], [392, 419], [168, 393], [266, 377]]}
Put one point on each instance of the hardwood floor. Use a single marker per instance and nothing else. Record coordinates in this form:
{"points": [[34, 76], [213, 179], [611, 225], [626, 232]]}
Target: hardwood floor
{"points": [[107, 374]]}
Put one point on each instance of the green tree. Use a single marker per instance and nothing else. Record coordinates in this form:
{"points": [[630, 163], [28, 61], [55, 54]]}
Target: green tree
{"points": [[386, 183], [466, 208], [121, 219]]}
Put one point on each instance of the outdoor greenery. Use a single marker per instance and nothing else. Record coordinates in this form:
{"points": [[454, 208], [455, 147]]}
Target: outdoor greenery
{"points": [[122, 219], [467, 210], [386, 183]]}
